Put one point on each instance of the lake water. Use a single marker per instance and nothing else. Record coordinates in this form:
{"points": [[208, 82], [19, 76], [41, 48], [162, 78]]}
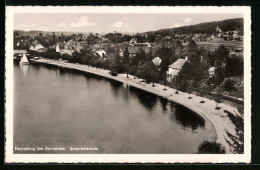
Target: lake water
{"points": [[58, 107]]}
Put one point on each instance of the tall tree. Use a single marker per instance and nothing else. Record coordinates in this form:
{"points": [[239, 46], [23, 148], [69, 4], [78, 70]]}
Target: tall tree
{"points": [[149, 57], [141, 54], [149, 72], [165, 55], [218, 97], [219, 57], [126, 60], [133, 70], [193, 74], [126, 55]]}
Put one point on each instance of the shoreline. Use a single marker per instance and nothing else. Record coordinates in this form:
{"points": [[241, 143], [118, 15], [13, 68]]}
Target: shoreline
{"points": [[215, 120]]}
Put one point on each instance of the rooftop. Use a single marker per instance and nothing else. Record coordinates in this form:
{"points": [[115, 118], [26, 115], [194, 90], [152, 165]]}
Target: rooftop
{"points": [[178, 64], [157, 61], [135, 49]]}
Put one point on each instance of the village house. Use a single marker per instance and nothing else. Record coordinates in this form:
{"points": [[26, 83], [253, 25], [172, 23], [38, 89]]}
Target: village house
{"points": [[133, 41], [174, 69], [70, 45], [59, 46], [41, 50], [95, 46], [167, 37], [21, 44], [218, 30], [36, 46], [141, 44], [104, 40], [52, 47], [69, 52], [100, 51], [134, 49], [211, 71], [121, 54], [157, 61], [238, 52], [81, 45]]}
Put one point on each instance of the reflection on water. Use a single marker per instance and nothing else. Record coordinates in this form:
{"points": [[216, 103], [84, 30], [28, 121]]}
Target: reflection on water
{"points": [[164, 103], [148, 100], [187, 118], [24, 68], [59, 107]]}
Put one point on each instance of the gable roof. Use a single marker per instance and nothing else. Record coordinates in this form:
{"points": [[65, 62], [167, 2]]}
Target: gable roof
{"points": [[35, 42], [178, 64], [81, 43], [135, 49], [157, 61], [70, 42]]}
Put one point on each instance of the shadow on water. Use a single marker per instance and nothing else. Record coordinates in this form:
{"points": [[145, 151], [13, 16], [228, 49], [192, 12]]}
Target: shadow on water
{"points": [[187, 118], [115, 84], [36, 67], [16, 61], [50, 67], [148, 100], [70, 72], [67, 72], [172, 106], [164, 103]]}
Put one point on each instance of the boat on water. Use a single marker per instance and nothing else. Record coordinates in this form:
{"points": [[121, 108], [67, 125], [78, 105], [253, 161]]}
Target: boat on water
{"points": [[24, 60]]}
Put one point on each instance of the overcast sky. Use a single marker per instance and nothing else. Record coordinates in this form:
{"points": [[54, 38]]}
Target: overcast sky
{"points": [[102, 23]]}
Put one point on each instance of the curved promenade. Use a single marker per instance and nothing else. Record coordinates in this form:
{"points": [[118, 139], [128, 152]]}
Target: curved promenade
{"points": [[215, 120]]}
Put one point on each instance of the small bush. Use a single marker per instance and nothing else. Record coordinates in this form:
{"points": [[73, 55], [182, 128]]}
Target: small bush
{"points": [[229, 85], [211, 148]]}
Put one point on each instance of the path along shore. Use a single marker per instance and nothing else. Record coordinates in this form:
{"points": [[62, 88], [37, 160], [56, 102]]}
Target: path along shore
{"points": [[217, 120]]}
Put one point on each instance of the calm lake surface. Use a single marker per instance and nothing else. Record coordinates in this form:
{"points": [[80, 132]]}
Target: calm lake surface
{"points": [[58, 107]]}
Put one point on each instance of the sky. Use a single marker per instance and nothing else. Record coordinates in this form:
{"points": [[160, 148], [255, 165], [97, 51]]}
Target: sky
{"points": [[104, 23]]}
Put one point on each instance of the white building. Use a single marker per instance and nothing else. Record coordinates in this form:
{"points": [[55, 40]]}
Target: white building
{"points": [[101, 52], [36, 46], [212, 71], [174, 69], [133, 41], [58, 48], [121, 54], [157, 61]]}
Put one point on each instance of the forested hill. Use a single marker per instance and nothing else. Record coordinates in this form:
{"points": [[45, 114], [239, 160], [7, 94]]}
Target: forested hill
{"points": [[204, 28]]}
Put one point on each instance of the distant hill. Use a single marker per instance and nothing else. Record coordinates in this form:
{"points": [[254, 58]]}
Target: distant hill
{"points": [[204, 28], [24, 33], [36, 32]]}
